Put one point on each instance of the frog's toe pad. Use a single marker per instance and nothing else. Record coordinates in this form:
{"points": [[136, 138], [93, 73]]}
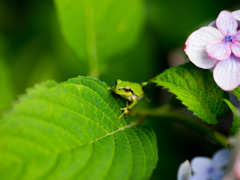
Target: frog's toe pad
{"points": [[124, 108]]}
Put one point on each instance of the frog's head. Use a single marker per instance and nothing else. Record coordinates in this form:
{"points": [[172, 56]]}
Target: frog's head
{"points": [[123, 88]]}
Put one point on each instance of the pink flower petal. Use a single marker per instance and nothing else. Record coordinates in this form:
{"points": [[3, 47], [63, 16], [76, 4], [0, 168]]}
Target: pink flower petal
{"points": [[235, 49], [227, 73], [236, 15], [237, 169], [195, 46], [219, 50], [236, 39], [226, 23]]}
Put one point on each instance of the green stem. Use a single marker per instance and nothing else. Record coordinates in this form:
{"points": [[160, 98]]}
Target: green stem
{"points": [[205, 130], [90, 38]]}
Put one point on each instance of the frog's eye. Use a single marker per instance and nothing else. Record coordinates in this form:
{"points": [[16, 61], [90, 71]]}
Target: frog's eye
{"points": [[127, 89]]}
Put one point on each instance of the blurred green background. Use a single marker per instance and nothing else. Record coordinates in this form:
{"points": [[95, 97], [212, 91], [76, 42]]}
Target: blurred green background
{"points": [[33, 49]]}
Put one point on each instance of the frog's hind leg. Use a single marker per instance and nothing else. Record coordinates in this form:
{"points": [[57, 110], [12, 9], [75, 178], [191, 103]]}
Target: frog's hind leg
{"points": [[128, 107]]}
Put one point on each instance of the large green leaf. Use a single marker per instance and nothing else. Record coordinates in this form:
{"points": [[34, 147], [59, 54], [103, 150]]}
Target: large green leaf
{"points": [[196, 89], [97, 29], [6, 89], [71, 131], [236, 118]]}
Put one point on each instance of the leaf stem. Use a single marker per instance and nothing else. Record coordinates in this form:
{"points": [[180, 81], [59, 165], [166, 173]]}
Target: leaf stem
{"points": [[91, 38], [164, 112]]}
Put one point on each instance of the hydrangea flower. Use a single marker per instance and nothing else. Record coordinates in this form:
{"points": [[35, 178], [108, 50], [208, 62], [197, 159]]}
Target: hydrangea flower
{"points": [[236, 15], [219, 47], [184, 171], [211, 169]]}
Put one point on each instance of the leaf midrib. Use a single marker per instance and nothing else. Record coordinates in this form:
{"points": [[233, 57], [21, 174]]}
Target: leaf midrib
{"points": [[192, 93], [237, 94], [55, 152]]}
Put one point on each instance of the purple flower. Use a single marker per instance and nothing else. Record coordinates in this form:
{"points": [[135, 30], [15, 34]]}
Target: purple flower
{"points": [[209, 47], [211, 169]]}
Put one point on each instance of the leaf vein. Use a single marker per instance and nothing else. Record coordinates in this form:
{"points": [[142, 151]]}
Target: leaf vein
{"points": [[71, 110], [143, 172], [94, 105], [43, 119]]}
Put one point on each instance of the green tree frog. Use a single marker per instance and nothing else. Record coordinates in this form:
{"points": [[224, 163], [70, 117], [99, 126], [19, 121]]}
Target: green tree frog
{"points": [[130, 91]]}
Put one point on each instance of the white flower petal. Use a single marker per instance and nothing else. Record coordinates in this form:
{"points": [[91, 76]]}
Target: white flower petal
{"points": [[184, 171], [195, 46], [236, 15], [227, 73], [200, 165], [226, 23], [221, 158], [219, 50]]}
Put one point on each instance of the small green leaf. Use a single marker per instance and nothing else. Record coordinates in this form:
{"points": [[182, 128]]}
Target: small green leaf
{"points": [[97, 29], [196, 89], [71, 131], [236, 118], [236, 92]]}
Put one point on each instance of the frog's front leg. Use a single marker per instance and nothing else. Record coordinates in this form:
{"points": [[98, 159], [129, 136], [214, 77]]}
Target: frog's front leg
{"points": [[128, 108]]}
